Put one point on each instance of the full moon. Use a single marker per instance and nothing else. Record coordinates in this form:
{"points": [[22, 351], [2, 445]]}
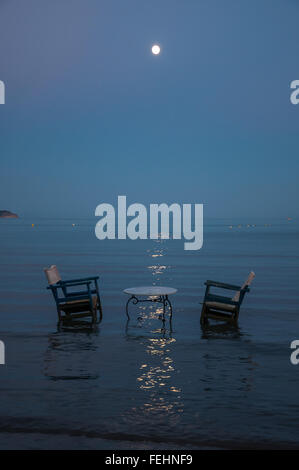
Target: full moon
{"points": [[156, 49]]}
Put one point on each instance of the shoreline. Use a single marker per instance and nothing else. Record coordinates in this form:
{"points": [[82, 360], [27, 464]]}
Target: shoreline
{"points": [[41, 438]]}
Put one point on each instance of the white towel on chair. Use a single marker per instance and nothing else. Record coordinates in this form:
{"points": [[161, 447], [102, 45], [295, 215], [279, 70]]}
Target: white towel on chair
{"points": [[248, 281], [52, 274]]}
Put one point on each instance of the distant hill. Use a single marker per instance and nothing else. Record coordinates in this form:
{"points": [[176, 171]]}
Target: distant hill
{"points": [[8, 215]]}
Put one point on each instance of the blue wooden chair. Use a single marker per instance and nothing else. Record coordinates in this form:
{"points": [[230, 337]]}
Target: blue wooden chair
{"points": [[218, 307], [72, 304]]}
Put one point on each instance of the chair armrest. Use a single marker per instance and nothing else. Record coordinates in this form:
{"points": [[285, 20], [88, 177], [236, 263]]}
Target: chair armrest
{"points": [[223, 285], [85, 294], [77, 283], [82, 292], [220, 299], [92, 278], [69, 284]]}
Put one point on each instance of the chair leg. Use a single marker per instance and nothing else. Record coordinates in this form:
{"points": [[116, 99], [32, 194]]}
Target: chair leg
{"points": [[94, 316], [100, 308], [236, 317], [59, 315], [203, 318], [93, 312]]}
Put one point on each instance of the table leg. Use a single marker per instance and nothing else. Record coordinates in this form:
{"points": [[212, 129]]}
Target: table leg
{"points": [[164, 304], [169, 304], [162, 299], [134, 300]]}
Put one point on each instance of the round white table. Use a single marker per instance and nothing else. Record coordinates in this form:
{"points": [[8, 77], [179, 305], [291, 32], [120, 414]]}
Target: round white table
{"points": [[154, 293]]}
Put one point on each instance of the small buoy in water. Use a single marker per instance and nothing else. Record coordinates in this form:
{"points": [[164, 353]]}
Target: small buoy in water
{"points": [[32, 225]]}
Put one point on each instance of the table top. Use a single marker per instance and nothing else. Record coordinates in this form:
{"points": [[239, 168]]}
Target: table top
{"points": [[150, 290]]}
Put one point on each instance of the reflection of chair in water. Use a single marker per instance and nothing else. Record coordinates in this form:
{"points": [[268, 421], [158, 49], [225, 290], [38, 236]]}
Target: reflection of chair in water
{"points": [[224, 308], [72, 356], [218, 331], [79, 326], [74, 304]]}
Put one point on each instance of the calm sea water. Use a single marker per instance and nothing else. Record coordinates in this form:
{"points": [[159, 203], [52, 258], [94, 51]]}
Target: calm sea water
{"points": [[135, 386]]}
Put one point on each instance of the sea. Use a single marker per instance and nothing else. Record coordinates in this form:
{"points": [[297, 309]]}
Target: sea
{"points": [[142, 383]]}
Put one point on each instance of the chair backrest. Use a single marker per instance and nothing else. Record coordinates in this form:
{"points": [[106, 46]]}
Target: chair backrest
{"points": [[248, 281], [52, 274]]}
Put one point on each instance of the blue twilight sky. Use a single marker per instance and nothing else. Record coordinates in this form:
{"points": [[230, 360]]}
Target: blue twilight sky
{"points": [[91, 113]]}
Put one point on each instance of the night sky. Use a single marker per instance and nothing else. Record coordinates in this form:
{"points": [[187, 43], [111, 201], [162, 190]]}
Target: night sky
{"points": [[91, 113]]}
